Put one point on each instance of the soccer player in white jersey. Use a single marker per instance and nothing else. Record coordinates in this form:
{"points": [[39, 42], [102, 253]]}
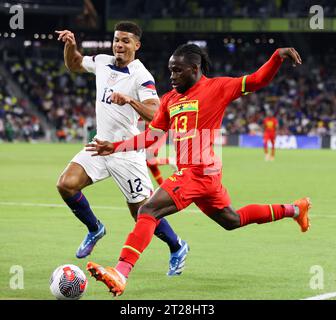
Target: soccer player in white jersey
{"points": [[125, 91]]}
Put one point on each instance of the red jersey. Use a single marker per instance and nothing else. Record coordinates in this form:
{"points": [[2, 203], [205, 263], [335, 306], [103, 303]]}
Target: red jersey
{"points": [[270, 125], [194, 116]]}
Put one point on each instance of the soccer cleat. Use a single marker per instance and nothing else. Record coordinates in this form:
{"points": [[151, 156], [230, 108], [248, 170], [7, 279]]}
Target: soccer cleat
{"points": [[111, 277], [90, 241], [177, 260], [304, 204]]}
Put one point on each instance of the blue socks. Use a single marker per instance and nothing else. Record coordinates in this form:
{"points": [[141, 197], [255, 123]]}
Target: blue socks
{"points": [[164, 232], [81, 208]]}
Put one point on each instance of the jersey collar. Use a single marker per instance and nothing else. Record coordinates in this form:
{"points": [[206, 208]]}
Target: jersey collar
{"points": [[123, 69]]}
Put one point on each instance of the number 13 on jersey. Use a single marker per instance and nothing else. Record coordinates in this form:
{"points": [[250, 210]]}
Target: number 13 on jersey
{"points": [[184, 118]]}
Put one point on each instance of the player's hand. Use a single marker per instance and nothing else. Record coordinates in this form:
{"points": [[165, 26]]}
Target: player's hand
{"points": [[119, 98], [66, 36], [292, 54], [100, 148]]}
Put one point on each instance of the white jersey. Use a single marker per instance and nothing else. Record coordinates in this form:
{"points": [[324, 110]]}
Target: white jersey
{"points": [[115, 122]]}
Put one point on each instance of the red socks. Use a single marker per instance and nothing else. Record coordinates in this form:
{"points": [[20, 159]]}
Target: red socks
{"points": [[142, 234], [136, 242], [255, 213], [124, 268]]}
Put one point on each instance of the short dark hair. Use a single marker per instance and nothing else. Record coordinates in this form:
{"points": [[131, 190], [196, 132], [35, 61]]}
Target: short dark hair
{"points": [[194, 55], [129, 26]]}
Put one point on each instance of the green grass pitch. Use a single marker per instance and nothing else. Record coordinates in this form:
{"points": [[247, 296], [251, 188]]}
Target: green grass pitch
{"points": [[269, 261]]}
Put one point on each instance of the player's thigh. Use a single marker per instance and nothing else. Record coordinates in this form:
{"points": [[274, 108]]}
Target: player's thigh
{"points": [[272, 139], [265, 139], [73, 177], [94, 167], [159, 205], [131, 176]]}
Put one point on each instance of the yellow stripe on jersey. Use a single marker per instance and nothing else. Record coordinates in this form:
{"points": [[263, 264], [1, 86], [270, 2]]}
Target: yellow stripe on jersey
{"points": [[272, 212], [244, 86], [133, 249]]}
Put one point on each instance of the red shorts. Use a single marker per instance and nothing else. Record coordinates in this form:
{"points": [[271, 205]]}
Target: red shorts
{"points": [[269, 137], [190, 185]]}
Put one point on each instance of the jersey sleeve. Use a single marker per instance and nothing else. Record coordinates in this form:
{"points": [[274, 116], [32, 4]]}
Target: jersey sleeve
{"points": [[89, 63], [161, 120], [146, 87], [232, 88], [236, 87]]}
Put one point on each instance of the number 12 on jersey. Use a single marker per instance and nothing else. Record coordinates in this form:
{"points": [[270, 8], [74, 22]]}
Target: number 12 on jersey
{"points": [[106, 95], [136, 184]]}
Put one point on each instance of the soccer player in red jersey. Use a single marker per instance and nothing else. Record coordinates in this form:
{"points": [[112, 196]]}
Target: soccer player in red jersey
{"points": [[193, 111], [270, 124]]}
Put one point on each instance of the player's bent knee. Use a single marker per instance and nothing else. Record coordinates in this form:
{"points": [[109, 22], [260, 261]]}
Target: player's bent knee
{"points": [[230, 226], [67, 185], [145, 208], [150, 210]]}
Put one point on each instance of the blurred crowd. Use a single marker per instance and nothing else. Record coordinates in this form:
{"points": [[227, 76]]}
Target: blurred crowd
{"points": [[65, 99], [216, 8], [16, 119], [303, 99]]}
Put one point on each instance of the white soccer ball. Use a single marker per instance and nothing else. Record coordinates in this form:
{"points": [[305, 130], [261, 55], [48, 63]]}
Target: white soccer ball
{"points": [[68, 282]]}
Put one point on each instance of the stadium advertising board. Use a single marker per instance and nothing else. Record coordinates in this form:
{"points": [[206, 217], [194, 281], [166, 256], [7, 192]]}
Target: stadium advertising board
{"points": [[333, 142], [230, 25], [282, 142]]}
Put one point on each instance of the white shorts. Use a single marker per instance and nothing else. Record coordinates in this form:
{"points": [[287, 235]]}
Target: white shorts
{"points": [[129, 171]]}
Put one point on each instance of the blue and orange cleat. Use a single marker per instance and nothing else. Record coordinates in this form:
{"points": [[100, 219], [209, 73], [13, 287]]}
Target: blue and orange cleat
{"points": [[111, 277], [90, 241], [177, 260], [304, 204]]}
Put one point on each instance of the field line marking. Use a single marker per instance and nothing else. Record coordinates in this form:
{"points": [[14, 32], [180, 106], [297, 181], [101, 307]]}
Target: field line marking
{"points": [[323, 296], [54, 205]]}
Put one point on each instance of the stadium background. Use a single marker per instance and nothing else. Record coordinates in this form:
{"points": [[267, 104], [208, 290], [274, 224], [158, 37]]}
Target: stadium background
{"points": [[46, 113]]}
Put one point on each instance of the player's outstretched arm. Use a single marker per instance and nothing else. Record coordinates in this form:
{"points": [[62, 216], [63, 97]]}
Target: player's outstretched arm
{"points": [[141, 141], [72, 57], [265, 74]]}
